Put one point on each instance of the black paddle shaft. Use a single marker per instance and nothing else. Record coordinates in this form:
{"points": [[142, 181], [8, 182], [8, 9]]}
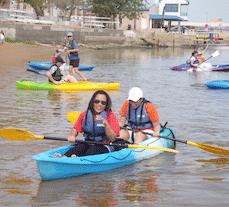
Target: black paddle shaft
{"points": [[90, 142], [56, 138]]}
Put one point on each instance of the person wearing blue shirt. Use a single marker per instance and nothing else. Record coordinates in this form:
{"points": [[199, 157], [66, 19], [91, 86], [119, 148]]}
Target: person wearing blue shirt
{"points": [[73, 54]]}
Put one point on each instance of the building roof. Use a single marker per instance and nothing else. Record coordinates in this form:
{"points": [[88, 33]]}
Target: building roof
{"points": [[166, 17]]}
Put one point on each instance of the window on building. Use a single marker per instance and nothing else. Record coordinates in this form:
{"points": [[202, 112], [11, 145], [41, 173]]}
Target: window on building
{"points": [[171, 7], [184, 10]]}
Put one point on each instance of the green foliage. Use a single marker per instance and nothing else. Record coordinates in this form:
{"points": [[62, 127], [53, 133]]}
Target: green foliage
{"points": [[106, 7], [68, 6], [19, 41], [38, 6], [133, 10], [113, 8], [3, 2]]}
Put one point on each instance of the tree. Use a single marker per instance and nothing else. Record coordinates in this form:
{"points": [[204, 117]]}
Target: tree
{"points": [[68, 6], [106, 8], [4, 2], [132, 9], [38, 6]]}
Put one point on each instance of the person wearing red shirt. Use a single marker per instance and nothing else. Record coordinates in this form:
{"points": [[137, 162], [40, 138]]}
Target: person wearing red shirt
{"points": [[98, 124], [139, 114]]}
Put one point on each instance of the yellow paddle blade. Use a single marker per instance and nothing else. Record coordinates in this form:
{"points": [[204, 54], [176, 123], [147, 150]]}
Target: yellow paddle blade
{"points": [[73, 116], [209, 148], [17, 134], [154, 148]]}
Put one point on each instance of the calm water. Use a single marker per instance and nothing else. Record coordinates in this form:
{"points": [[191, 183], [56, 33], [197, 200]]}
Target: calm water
{"points": [[191, 178]]}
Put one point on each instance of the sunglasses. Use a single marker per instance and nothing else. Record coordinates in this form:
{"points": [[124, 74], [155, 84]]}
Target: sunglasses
{"points": [[102, 102], [69, 36]]}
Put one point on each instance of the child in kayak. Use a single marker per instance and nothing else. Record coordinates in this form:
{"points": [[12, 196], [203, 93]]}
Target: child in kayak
{"points": [[194, 61], [203, 65], [58, 53], [54, 74]]}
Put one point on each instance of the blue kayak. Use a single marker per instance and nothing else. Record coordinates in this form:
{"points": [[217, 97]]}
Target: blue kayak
{"points": [[51, 167], [46, 66], [219, 84]]}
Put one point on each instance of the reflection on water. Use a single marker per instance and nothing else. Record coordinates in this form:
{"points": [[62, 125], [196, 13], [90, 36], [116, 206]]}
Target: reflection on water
{"points": [[195, 112], [218, 165], [218, 161], [135, 183]]}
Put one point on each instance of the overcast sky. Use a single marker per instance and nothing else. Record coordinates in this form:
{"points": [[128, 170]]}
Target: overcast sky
{"points": [[202, 10]]}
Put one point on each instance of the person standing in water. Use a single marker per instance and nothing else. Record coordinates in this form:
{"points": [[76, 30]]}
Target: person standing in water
{"points": [[73, 54]]}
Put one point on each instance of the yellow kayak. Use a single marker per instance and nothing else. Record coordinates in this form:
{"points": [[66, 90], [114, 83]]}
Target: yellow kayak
{"points": [[80, 86]]}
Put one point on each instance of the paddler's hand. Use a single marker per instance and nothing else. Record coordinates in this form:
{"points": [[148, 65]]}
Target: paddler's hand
{"points": [[57, 82], [67, 52], [101, 119], [72, 139], [156, 134]]}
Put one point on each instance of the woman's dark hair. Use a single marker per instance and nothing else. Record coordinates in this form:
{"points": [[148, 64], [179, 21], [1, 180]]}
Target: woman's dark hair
{"points": [[194, 53], [91, 103]]}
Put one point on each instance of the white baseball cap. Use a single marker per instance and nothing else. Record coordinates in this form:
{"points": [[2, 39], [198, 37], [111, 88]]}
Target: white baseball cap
{"points": [[70, 34], [135, 94]]}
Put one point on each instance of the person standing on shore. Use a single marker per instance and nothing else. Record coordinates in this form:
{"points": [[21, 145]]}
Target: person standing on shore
{"points": [[73, 54], [2, 37]]}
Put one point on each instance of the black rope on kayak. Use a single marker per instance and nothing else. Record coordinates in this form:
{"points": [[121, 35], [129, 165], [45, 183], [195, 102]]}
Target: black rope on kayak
{"points": [[111, 156]]}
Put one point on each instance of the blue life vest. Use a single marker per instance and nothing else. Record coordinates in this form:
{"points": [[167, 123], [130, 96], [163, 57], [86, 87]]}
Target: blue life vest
{"points": [[95, 130], [138, 118], [196, 61]]}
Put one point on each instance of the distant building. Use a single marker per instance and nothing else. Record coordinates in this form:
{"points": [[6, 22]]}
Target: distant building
{"points": [[164, 12]]}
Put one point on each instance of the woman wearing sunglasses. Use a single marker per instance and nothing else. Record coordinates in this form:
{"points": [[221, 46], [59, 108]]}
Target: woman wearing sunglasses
{"points": [[98, 124], [139, 114]]}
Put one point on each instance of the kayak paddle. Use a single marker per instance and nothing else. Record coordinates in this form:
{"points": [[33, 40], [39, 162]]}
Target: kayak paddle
{"points": [[23, 135], [34, 71], [214, 54], [73, 116], [208, 148]]}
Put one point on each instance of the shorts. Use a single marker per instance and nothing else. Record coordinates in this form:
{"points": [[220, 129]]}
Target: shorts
{"points": [[131, 134], [63, 81], [75, 63]]}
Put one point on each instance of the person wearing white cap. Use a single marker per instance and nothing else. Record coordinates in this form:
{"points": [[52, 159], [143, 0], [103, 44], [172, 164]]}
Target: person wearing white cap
{"points": [[73, 54], [139, 114]]}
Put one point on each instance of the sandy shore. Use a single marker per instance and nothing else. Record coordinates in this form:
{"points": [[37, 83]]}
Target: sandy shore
{"points": [[17, 54]]}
